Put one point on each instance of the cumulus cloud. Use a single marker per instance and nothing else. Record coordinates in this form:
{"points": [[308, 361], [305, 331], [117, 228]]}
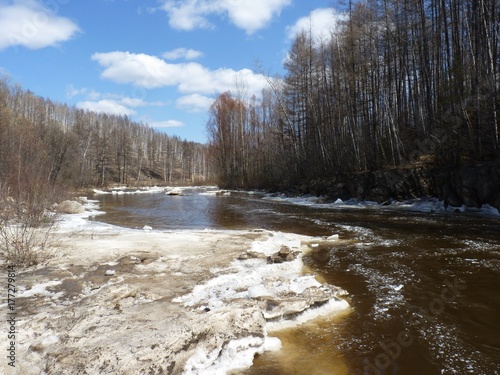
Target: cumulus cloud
{"points": [[321, 22], [111, 107], [166, 124], [29, 24], [249, 15], [108, 103], [194, 103], [152, 72], [182, 53]]}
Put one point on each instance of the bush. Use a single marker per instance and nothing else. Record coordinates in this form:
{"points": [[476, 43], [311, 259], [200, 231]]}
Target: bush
{"points": [[25, 230]]}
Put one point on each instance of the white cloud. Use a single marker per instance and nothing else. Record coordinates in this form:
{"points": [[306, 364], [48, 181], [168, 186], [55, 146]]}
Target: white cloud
{"points": [[108, 103], [29, 24], [134, 102], [252, 15], [182, 53], [194, 103], [72, 91], [322, 22], [111, 107], [166, 124], [249, 15], [152, 72]]}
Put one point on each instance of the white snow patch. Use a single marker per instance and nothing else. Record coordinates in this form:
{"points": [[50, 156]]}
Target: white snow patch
{"points": [[273, 244], [122, 190], [41, 290], [331, 307], [237, 354]]}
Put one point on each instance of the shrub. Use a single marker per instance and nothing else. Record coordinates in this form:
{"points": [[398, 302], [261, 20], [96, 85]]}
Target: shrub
{"points": [[25, 230]]}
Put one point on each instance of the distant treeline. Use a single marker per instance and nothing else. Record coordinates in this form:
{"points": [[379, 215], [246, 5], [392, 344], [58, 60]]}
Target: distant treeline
{"points": [[47, 146], [400, 83]]}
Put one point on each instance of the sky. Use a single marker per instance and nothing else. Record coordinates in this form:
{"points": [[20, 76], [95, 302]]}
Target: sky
{"points": [[160, 62]]}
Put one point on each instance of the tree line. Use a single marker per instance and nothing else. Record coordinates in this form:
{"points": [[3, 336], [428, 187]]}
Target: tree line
{"points": [[52, 147], [398, 83]]}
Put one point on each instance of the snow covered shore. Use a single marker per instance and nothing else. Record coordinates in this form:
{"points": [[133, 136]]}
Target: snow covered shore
{"points": [[115, 300]]}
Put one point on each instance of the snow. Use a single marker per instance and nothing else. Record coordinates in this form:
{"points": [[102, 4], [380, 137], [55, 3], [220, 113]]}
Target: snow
{"points": [[426, 205], [237, 354], [41, 290], [252, 279], [124, 190], [331, 307]]}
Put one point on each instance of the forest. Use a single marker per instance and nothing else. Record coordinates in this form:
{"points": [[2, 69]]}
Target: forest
{"points": [[398, 84], [48, 149]]}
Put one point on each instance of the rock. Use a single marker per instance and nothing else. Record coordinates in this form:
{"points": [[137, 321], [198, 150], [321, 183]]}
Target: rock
{"points": [[70, 207], [284, 255], [110, 273], [175, 192], [243, 256], [275, 259]]}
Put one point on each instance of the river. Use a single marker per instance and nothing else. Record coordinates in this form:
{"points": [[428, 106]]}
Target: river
{"points": [[424, 287]]}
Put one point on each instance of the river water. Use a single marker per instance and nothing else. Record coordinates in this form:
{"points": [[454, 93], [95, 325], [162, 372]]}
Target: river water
{"points": [[424, 287]]}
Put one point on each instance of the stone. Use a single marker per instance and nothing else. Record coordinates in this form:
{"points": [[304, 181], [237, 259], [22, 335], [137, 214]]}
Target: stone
{"points": [[285, 254], [70, 207]]}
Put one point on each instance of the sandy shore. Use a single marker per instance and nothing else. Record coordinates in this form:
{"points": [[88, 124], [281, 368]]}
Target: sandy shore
{"points": [[117, 301]]}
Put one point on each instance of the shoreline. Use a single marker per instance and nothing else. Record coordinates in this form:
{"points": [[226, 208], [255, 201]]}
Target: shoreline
{"points": [[117, 300]]}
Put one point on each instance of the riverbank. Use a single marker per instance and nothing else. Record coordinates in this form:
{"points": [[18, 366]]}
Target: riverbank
{"points": [[114, 300], [473, 186]]}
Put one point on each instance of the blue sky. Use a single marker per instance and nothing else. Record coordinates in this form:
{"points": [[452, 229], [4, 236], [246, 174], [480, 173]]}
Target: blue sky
{"points": [[160, 62]]}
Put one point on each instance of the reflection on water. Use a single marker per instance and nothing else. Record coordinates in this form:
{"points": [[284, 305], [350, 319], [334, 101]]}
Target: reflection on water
{"points": [[423, 287], [311, 349], [198, 210]]}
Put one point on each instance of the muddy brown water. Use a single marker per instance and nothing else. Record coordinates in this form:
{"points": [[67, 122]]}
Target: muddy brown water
{"points": [[424, 287]]}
